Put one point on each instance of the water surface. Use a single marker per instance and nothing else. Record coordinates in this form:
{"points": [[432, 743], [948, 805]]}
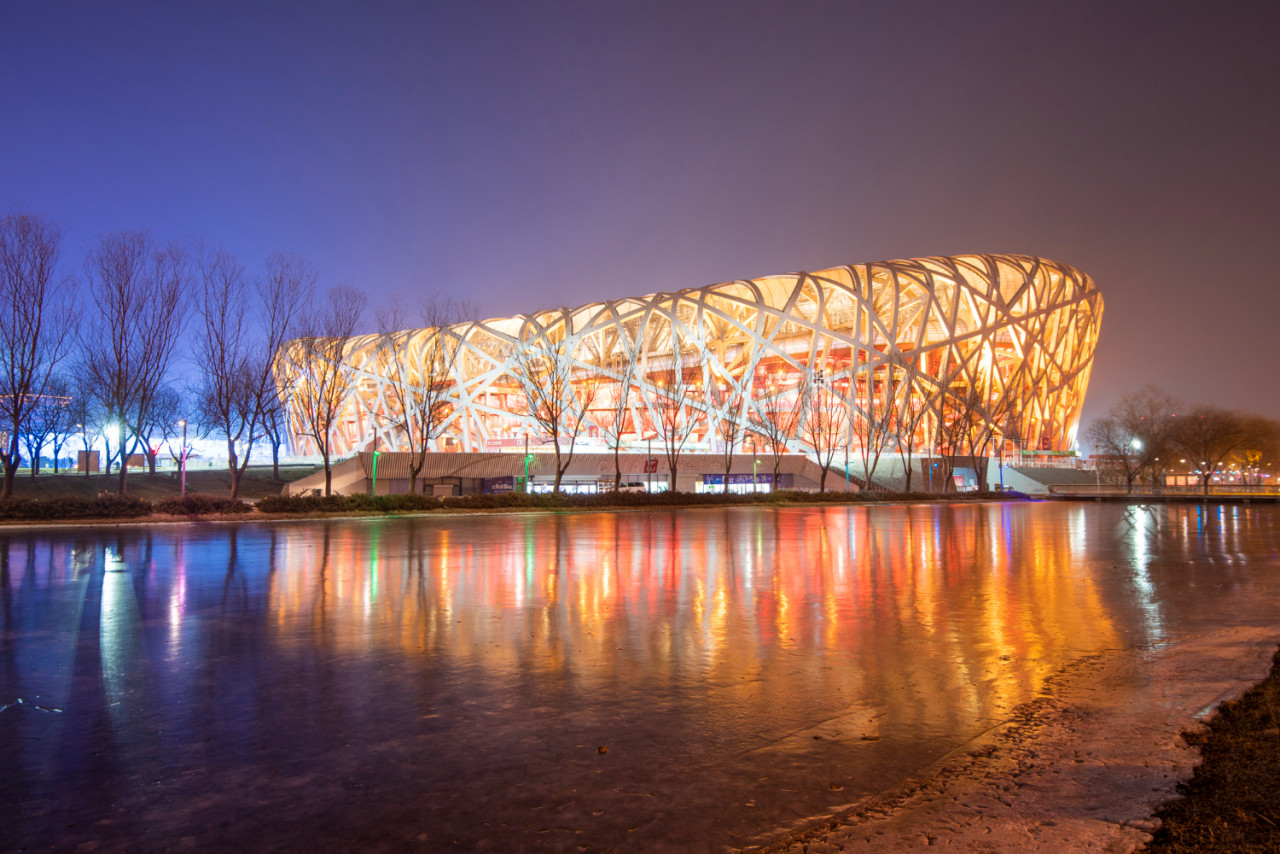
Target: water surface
{"points": [[583, 681]]}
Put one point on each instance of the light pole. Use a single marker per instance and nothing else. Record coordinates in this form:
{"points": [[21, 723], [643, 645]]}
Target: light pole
{"points": [[183, 460], [84, 440]]}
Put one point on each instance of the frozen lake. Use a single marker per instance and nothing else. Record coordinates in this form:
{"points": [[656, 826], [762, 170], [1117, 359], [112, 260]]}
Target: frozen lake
{"points": [[689, 680]]}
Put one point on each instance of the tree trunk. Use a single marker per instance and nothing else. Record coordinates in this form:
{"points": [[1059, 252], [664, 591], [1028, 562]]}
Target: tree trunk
{"points": [[10, 468], [328, 477], [980, 467], [275, 460], [617, 468], [124, 463], [231, 464], [822, 485]]}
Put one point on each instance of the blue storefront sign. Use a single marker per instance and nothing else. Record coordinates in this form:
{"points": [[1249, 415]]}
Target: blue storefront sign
{"points": [[785, 481], [496, 485]]}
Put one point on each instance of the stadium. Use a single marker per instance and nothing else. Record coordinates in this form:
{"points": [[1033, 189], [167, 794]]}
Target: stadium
{"points": [[966, 355]]}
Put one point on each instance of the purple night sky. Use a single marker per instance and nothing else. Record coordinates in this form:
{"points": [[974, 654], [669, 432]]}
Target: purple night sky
{"points": [[534, 154]]}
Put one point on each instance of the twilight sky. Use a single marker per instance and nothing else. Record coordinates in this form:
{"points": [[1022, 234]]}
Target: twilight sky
{"points": [[534, 154]]}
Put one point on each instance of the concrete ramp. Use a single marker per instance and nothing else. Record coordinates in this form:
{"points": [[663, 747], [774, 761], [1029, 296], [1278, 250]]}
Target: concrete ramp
{"points": [[348, 477], [1036, 480]]}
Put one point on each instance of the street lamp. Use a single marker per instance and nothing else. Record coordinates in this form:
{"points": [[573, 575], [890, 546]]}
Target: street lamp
{"points": [[183, 460]]}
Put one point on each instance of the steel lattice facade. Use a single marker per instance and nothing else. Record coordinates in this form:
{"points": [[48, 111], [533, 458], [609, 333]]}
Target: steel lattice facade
{"points": [[912, 333]]}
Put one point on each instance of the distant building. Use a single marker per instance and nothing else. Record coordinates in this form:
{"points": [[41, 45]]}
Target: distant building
{"points": [[903, 348]]}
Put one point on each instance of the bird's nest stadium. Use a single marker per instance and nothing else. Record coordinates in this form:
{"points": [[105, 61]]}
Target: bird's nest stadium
{"points": [[896, 350]]}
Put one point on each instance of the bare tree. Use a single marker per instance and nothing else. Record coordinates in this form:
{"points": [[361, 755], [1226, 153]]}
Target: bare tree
{"points": [[1208, 436], [874, 423], [960, 408], [1262, 447], [47, 423], [727, 400], [1117, 447], [243, 326], [991, 410], [612, 416], [35, 320], [906, 410], [161, 423], [544, 368], [83, 415], [419, 370], [313, 374], [674, 403], [59, 416], [776, 420], [1136, 434], [273, 424], [129, 344], [823, 420]]}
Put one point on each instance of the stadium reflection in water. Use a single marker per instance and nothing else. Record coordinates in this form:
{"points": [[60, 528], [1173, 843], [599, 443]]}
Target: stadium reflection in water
{"points": [[451, 681]]}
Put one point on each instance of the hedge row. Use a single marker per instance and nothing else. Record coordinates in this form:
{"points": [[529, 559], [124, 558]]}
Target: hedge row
{"points": [[347, 503], [101, 507], [115, 507], [118, 507], [545, 500]]}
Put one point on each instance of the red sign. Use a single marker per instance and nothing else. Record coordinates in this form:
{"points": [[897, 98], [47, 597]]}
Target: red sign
{"points": [[651, 465]]}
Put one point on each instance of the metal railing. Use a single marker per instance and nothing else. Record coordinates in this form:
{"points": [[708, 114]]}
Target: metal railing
{"points": [[1220, 490]]}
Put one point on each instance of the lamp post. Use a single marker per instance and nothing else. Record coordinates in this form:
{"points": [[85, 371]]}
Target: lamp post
{"points": [[84, 440], [183, 460]]}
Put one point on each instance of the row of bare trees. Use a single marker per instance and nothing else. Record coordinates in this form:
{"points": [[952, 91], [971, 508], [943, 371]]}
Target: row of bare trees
{"points": [[98, 357], [961, 413], [1149, 433]]}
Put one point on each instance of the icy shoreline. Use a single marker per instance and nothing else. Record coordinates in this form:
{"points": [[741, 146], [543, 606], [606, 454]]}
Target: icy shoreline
{"points": [[1083, 767]]}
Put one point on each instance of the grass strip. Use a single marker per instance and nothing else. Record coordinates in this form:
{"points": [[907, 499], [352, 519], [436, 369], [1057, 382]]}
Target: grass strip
{"points": [[1232, 803]]}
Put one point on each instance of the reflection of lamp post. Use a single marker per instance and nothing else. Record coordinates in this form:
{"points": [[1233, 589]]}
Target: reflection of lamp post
{"points": [[183, 460]]}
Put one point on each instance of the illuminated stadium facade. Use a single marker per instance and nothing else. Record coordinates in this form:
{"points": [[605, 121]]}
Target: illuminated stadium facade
{"points": [[897, 352]]}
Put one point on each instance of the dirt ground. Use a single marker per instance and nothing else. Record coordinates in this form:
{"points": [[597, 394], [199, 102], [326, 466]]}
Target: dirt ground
{"points": [[258, 482]]}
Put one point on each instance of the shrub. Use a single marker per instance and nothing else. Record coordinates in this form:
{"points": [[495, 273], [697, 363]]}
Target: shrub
{"points": [[348, 503], [72, 507], [199, 505]]}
